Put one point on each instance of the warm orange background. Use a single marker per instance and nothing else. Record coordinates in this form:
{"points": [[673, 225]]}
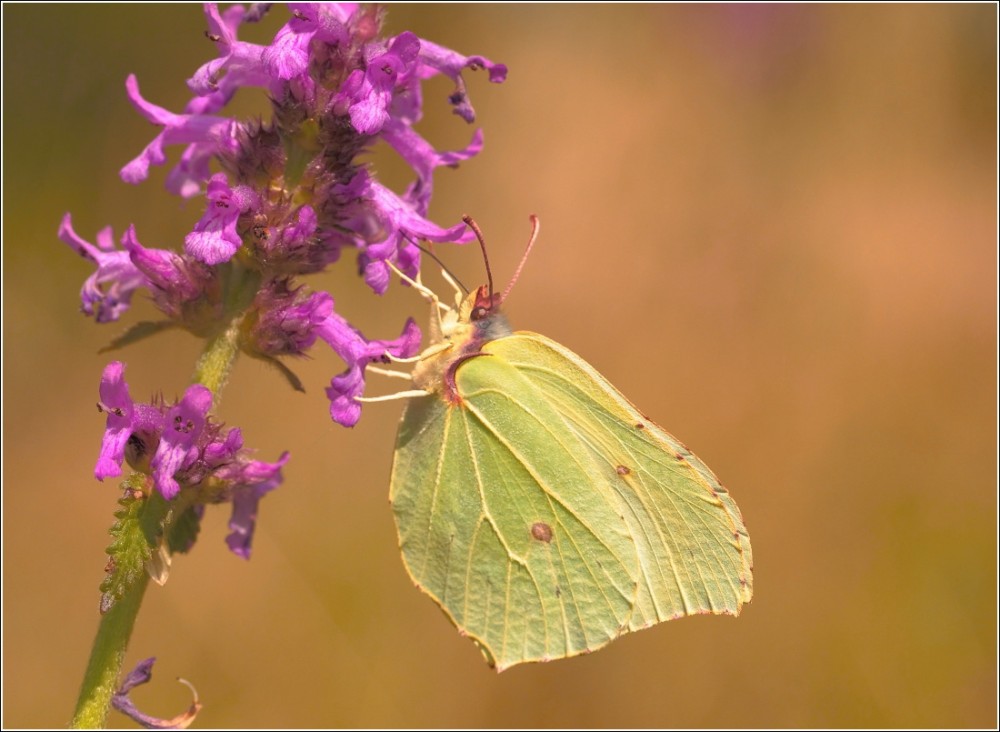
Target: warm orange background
{"points": [[774, 228]]}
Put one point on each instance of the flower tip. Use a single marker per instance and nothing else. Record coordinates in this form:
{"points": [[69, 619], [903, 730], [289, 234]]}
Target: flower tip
{"points": [[106, 468], [377, 276], [199, 398], [239, 545], [343, 409], [135, 172], [113, 372], [166, 485], [498, 73]]}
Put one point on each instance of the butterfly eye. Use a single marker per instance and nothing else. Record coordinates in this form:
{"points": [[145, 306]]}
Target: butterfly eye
{"points": [[478, 313]]}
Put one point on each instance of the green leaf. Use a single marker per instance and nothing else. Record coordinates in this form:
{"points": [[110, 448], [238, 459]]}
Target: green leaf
{"points": [[138, 332], [136, 539], [546, 515], [290, 376], [184, 531]]}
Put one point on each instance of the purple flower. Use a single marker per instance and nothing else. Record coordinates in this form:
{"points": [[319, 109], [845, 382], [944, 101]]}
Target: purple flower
{"points": [[252, 479], [288, 54], [214, 134], [403, 225], [367, 94], [437, 59], [169, 274], [240, 63], [141, 674], [125, 420], [288, 318], [221, 452], [116, 401], [186, 447], [115, 272], [357, 353], [215, 239], [178, 449], [284, 195]]}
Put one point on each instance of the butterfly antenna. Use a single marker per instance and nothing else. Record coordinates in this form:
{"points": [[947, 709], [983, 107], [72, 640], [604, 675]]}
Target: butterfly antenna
{"points": [[479, 235], [535, 226], [433, 256]]}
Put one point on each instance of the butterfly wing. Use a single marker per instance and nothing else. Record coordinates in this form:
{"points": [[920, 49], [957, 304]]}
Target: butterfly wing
{"points": [[694, 549], [544, 522], [498, 524]]}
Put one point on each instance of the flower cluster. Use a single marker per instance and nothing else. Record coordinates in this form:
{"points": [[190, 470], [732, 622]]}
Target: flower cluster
{"points": [[179, 444], [284, 197]]}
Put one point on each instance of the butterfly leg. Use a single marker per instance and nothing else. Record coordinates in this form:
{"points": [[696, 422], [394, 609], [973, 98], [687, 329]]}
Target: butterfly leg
{"points": [[437, 307], [388, 372], [423, 355], [427, 293], [409, 394], [459, 294], [394, 374]]}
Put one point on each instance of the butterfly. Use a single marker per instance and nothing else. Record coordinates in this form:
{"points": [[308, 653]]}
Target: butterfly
{"points": [[538, 507]]}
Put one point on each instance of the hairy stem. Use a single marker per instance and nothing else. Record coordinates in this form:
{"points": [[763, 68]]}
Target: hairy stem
{"points": [[220, 352], [212, 369], [113, 633], [106, 659]]}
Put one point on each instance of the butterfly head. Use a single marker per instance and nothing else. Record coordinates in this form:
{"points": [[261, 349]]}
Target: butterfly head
{"points": [[483, 304], [481, 310]]}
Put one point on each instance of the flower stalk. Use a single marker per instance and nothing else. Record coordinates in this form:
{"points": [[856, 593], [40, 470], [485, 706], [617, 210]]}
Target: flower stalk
{"points": [[283, 198]]}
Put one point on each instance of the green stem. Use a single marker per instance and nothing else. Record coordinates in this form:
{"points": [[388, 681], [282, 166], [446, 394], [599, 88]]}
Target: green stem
{"points": [[106, 659], [217, 359], [113, 633], [220, 352], [108, 653]]}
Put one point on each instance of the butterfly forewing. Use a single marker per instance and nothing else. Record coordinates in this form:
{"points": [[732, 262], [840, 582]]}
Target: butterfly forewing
{"points": [[693, 546]]}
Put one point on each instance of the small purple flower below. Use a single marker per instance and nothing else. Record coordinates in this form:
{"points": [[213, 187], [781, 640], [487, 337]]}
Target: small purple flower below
{"points": [[142, 674]]}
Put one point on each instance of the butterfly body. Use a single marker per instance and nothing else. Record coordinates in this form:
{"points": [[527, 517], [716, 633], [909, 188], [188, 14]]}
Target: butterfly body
{"points": [[541, 510]]}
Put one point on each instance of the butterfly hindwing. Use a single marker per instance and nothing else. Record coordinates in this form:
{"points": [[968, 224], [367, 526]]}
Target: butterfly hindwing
{"points": [[500, 523]]}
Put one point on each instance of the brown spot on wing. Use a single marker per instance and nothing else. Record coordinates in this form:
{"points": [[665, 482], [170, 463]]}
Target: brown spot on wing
{"points": [[541, 531]]}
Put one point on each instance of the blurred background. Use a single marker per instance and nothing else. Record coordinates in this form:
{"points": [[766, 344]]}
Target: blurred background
{"points": [[773, 228]]}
